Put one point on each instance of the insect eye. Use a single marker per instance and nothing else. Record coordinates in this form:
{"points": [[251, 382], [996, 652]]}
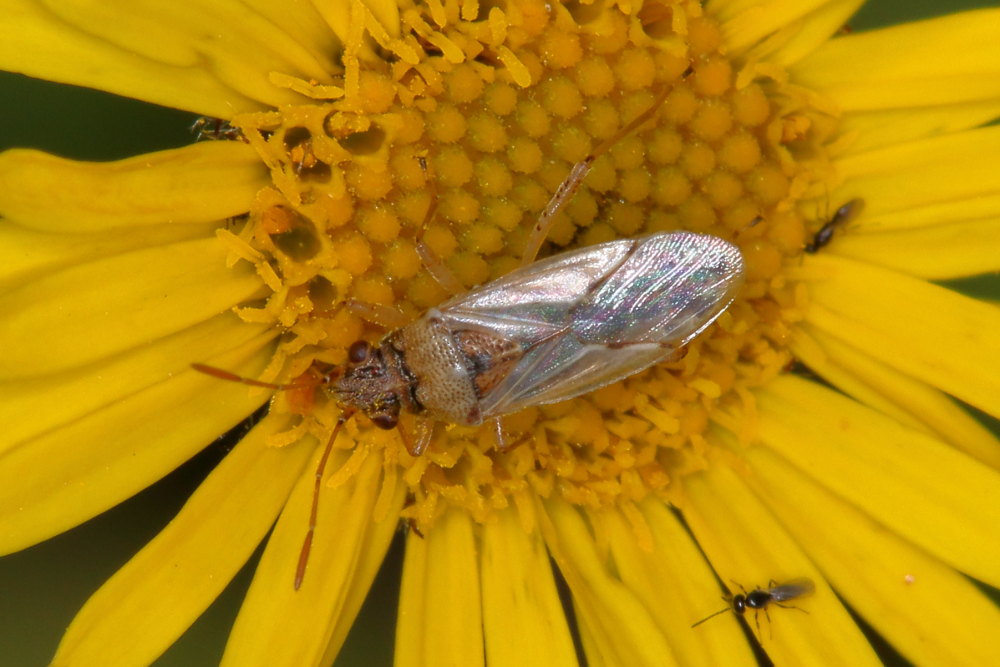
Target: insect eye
{"points": [[384, 421], [358, 352]]}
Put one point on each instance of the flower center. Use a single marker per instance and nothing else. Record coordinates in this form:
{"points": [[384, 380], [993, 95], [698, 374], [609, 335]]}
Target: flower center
{"points": [[482, 111]]}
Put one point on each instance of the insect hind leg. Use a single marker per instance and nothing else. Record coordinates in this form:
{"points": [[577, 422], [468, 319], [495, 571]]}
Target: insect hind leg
{"points": [[790, 606]]}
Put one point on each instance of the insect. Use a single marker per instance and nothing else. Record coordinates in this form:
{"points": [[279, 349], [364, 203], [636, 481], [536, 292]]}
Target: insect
{"points": [[841, 217], [759, 599], [546, 332], [215, 129]]}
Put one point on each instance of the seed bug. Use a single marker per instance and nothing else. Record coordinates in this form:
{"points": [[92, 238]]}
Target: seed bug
{"points": [[841, 217], [759, 599], [548, 331]]}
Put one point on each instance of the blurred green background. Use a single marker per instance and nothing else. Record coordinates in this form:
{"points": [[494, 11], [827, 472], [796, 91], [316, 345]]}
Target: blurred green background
{"points": [[41, 588]]}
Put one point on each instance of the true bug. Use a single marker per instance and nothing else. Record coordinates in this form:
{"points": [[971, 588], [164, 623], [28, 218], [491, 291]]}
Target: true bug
{"points": [[546, 332], [841, 217], [759, 599]]}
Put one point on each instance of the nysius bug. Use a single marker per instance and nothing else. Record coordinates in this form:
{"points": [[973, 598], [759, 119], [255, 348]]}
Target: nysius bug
{"points": [[546, 332]]}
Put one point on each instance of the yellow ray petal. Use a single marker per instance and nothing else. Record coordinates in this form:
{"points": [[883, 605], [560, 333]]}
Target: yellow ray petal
{"points": [[936, 335], [338, 17], [620, 628], [869, 130], [522, 614], [929, 612], [411, 625], [897, 395], [168, 584], [65, 397], [671, 579], [440, 611], [91, 311], [745, 24], [947, 169], [213, 59], [211, 180], [941, 252], [278, 625], [97, 461], [877, 218], [746, 544], [926, 491], [27, 254], [797, 39], [304, 23], [889, 68]]}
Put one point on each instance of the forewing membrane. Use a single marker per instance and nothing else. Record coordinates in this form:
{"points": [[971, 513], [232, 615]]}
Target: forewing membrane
{"points": [[588, 318]]}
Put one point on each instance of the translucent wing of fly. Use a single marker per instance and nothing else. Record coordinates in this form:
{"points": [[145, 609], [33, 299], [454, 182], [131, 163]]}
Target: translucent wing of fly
{"points": [[795, 588], [590, 317]]}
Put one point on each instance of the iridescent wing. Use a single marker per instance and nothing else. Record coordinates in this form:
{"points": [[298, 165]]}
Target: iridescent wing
{"points": [[795, 588], [590, 317]]}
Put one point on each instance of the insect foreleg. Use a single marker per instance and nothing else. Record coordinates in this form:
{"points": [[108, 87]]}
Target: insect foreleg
{"points": [[386, 317]]}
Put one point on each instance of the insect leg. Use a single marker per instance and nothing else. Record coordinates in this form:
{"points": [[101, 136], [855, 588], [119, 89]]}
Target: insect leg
{"points": [[572, 183], [423, 432], [386, 317], [434, 264], [300, 569], [233, 377], [438, 270], [411, 524], [790, 606], [498, 434]]}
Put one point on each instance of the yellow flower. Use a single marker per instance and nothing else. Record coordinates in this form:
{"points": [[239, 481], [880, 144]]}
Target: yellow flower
{"points": [[346, 128]]}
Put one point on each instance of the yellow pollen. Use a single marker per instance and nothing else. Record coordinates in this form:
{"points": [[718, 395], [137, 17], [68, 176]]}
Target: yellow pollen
{"points": [[532, 119], [401, 260], [600, 119], [500, 98], [525, 155], [635, 69], [487, 133], [740, 152], [561, 50], [561, 97], [493, 177], [446, 124], [594, 77], [571, 144]]}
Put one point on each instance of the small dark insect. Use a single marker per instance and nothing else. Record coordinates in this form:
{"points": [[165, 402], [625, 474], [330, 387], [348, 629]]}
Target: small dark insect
{"points": [[759, 599], [843, 215], [215, 129]]}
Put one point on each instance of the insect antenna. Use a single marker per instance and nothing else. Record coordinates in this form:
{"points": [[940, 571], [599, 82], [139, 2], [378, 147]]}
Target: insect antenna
{"points": [[721, 611], [300, 569], [233, 377]]}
